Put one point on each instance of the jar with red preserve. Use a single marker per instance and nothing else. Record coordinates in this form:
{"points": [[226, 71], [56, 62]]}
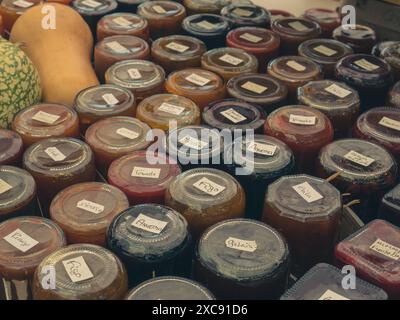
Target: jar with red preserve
{"points": [[11, 147], [361, 38], [328, 19], [11, 10]]}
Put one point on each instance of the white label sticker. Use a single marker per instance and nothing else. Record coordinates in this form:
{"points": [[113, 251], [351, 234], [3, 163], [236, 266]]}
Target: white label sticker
{"points": [[143, 172], [117, 47], [233, 115], [121, 21], [242, 12], [170, 108], [297, 25], [22, 4], [325, 50], [231, 59], [250, 37], [193, 143], [90, 206], [198, 80], [262, 148], [4, 186], [159, 9], [242, 245], [127, 133], [91, 3], [208, 186], [295, 65], [338, 91], [331, 295], [359, 158], [55, 154], [390, 123], [386, 249], [254, 87], [20, 240], [45, 117], [134, 74], [307, 192], [149, 224], [110, 99], [366, 65], [77, 269], [206, 25], [302, 120], [177, 47]]}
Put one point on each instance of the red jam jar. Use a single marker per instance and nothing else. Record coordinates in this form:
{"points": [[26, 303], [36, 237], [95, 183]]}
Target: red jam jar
{"points": [[294, 31], [242, 259], [294, 72], [85, 210], [304, 129], [11, 147], [393, 97], [307, 211], [392, 56], [114, 137], [177, 52], [389, 209], [279, 14], [142, 78], [11, 10], [164, 17], [339, 102], [260, 89], [367, 172], [361, 38], [46, 120], [374, 251], [123, 23], [143, 176], [328, 19], [246, 15], [118, 48], [262, 43], [103, 101]]}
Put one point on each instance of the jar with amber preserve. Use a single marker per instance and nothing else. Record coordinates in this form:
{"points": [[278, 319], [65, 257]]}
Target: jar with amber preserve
{"points": [[361, 38], [11, 10], [11, 147], [242, 259], [246, 15], [328, 19]]}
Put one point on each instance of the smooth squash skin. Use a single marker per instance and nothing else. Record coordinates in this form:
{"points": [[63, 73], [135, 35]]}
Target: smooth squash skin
{"points": [[61, 55]]}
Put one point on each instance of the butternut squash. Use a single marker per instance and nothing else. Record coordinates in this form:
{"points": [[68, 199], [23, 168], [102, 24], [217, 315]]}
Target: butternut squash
{"points": [[61, 55]]}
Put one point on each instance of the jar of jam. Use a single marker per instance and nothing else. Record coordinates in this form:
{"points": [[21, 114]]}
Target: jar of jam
{"points": [[367, 172], [256, 163], [276, 14], [242, 259], [142, 78], [11, 147], [169, 288], [160, 110], [209, 6], [294, 72], [129, 5], [164, 17], [393, 97], [11, 10], [177, 52], [17, 193], [83, 272], [57, 163], [152, 241], [361, 38], [325, 52], [46, 120], [328, 19], [210, 28], [201, 86], [260, 89], [233, 114], [374, 252], [114, 137], [293, 32], [123, 24], [262, 43], [305, 130], [324, 282], [118, 48], [339, 102], [392, 56], [206, 196], [142, 176], [103, 101], [246, 15], [24, 243], [380, 46], [390, 206], [229, 62]]}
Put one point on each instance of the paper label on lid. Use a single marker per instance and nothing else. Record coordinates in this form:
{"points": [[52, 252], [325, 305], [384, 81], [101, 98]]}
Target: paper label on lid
{"points": [[231, 59], [297, 25], [177, 47], [110, 99], [250, 37], [254, 87], [77, 269], [170, 108], [302, 120], [143, 172], [91, 3], [134, 74], [386, 249], [4, 186], [198, 80], [159, 9], [242, 12], [45, 117], [22, 4], [208, 186], [55, 154], [338, 91], [233, 115], [390, 123], [121, 21], [325, 50], [242, 245], [20, 240], [307, 192], [366, 65], [193, 143], [206, 25], [90, 206], [295, 65], [127, 133], [359, 158], [262, 148], [117, 47], [331, 295], [149, 224]]}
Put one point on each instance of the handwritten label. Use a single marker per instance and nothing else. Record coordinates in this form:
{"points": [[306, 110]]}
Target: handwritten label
{"points": [[262, 148], [359, 158], [149, 224], [331, 295], [206, 25], [4, 186], [307, 192], [45, 117], [242, 12], [143, 172], [127, 133], [170, 108], [159, 9], [254, 87], [91, 3], [242, 245], [386, 249], [366, 65], [295, 66], [121, 21], [22, 4], [231, 59], [208, 186], [110, 99], [233, 115], [134, 74], [250, 37], [302, 120], [55, 154], [177, 47], [193, 143], [297, 25], [390, 123], [116, 47], [338, 91], [77, 269], [20, 240], [325, 50], [198, 80], [90, 206]]}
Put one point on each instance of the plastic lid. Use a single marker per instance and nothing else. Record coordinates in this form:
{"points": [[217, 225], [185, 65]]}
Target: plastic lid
{"points": [[17, 6], [125, 47], [10, 147], [324, 51], [326, 18], [157, 9], [393, 95], [243, 15], [243, 250], [149, 233], [94, 7], [178, 48], [24, 243], [169, 288], [258, 40], [123, 22], [206, 25], [296, 27], [360, 37], [294, 69]]}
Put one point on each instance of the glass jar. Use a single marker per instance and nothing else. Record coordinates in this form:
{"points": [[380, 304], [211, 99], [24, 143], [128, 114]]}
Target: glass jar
{"points": [[328, 19], [11, 10], [11, 147], [380, 46], [279, 14], [389, 209], [393, 97], [361, 38], [392, 56], [246, 15], [209, 6]]}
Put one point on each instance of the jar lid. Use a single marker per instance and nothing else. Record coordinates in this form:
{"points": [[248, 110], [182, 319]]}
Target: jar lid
{"points": [[258, 40], [358, 37], [326, 18], [279, 14], [18, 6], [243, 250], [393, 95], [206, 25], [11, 146], [160, 9], [125, 47], [123, 22], [380, 46], [391, 55], [296, 27], [324, 51], [94, 7], [294, 69], [243, 15]]}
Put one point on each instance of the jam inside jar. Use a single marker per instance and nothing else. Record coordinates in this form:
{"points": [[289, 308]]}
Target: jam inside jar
{"points": [[11, 147]]}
